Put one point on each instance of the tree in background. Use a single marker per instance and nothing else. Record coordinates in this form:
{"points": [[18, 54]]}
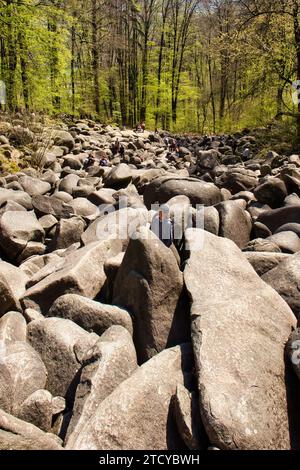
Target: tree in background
{"points": [[194, 65]]}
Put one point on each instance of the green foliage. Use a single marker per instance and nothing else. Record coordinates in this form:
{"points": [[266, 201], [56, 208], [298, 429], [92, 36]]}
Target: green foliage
{"points": [[101, 59]]}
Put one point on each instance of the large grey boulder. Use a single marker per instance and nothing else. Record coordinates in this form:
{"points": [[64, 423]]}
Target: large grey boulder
{"points": [[272, 192], [136, 415], [164, 188], [34, 186], [64, 139], [82, 273], [12, 287], [239, 329], [285, 280], [276, 218], [13, 328], [17, 229], [90, 315], [37, 410], [20, 197], [264, 262], [68, 231], [114, 361], [27, 373], [288, 242], [149, 285], [62, 345], [119, 177], [235, 223], [19, 435]]}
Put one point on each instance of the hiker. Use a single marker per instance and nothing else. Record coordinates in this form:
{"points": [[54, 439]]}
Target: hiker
{"points": [[138, 128], [88, 162], [162, 226], [173, 145], [122, 151], [115, 148], [167, 142], [103, 162], [143, 126], [246, 154]]}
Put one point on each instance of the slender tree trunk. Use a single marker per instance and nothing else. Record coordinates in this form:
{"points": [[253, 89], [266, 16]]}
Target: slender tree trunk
{"points": [[297, 44], [95, 55], [12, 59], [73, 61]]}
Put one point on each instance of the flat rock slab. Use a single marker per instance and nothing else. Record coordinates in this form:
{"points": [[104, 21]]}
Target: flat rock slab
{"points": [[136, 416], [19, 435], [82, 273], [90, 315], [115, 361], [61, 344], [239, 330], [285, 280]]}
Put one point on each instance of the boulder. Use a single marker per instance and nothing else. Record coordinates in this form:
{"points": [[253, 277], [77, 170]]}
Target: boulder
{"points": [[285, 280], [272, 192], [119, 225], [62, 345], [12, 287], [114, 361], [37, 410], [34, 186], [89, 315], [119, 177], [262, 245], [84, 208], [136, 415], [68, 183], [239, 331], [289, 228], [68, 231], [263, 262], [27, 373], [235, 223], [64, 139], [276, 218], [164, 188], [288, 242], [45, 205], [17, 229], [143, 288], [19, 435], [13, 328], [82, 273], [211, 220], [187, 415], [20, 197]]}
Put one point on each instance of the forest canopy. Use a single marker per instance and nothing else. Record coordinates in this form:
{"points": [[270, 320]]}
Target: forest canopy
{"points": [[184, 65]]}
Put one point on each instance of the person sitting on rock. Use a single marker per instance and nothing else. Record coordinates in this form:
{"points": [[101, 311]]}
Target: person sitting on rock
{"points": [[103, 162], [88, 162], [162, 226]]}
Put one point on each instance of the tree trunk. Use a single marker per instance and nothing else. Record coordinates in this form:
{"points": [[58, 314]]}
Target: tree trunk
{"points": [[95, 56]]}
